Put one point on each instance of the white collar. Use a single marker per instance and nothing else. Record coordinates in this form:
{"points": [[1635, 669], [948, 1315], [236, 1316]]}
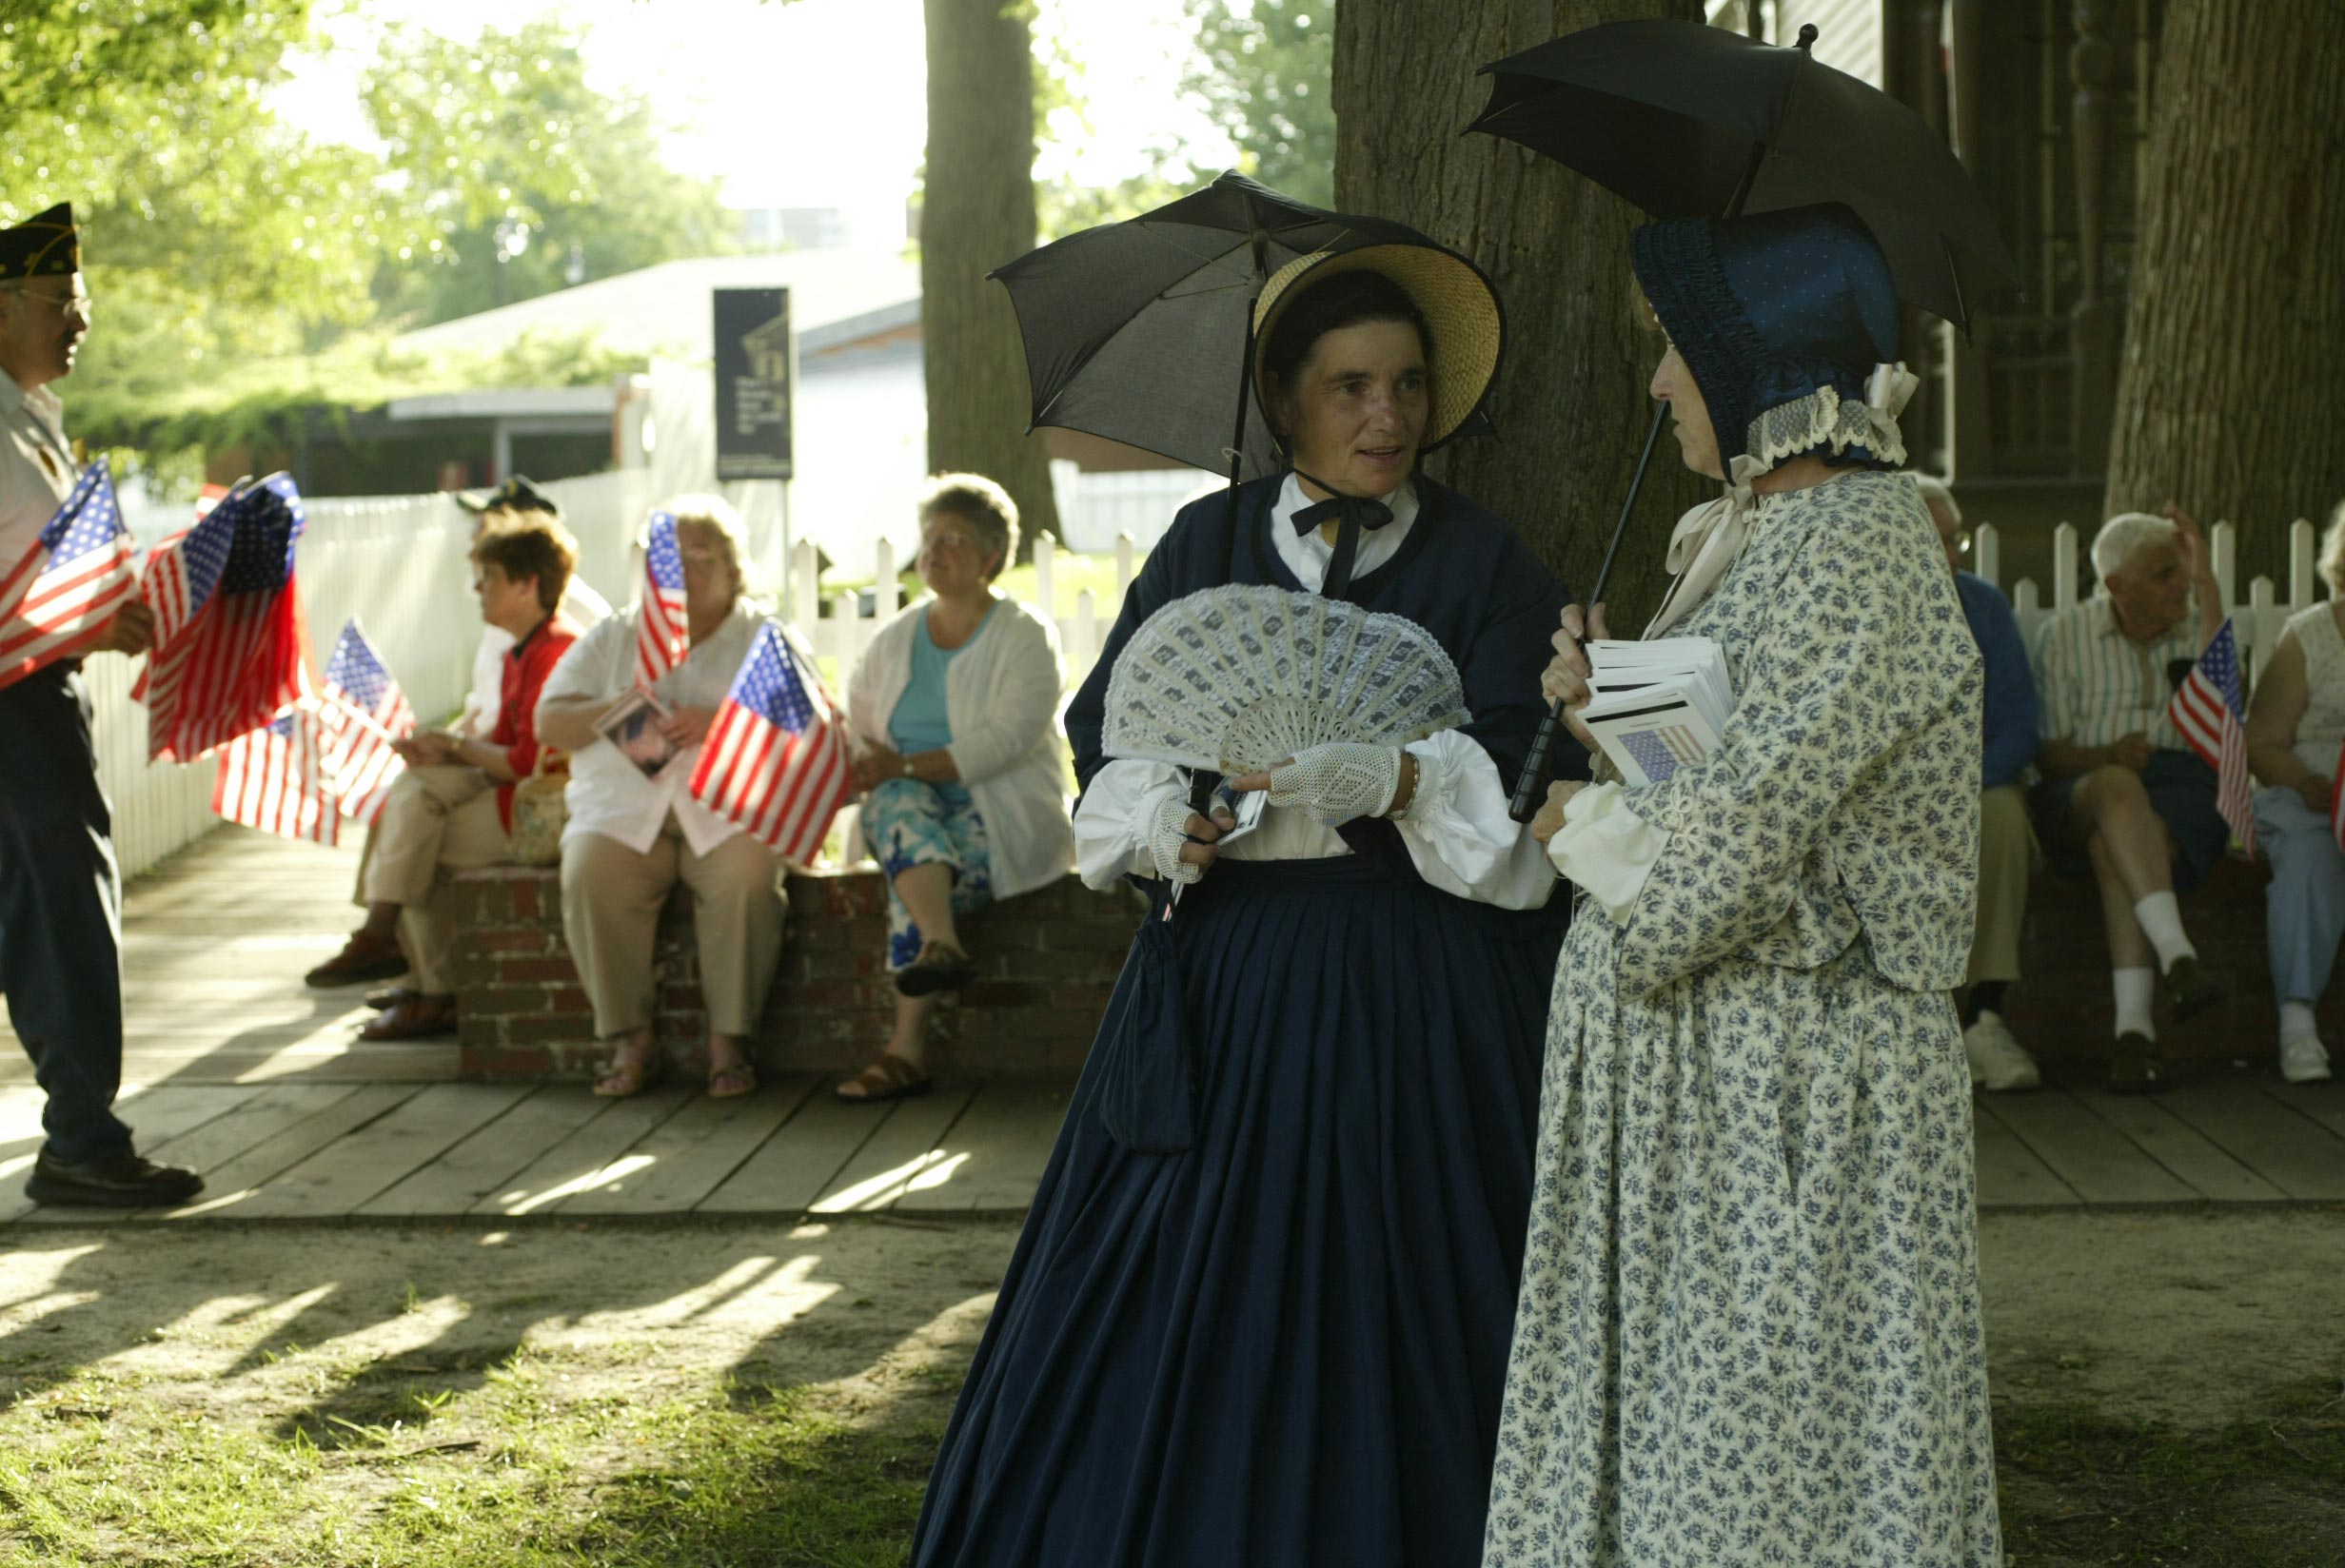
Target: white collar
{"points": [[1307, 555]]}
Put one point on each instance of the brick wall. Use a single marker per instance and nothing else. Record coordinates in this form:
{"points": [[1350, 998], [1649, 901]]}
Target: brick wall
{"points": [[2062, 1009], [1047, 961]]}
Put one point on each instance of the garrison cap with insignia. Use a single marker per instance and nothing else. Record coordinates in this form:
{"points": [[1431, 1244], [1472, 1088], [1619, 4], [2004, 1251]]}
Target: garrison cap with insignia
{"points": [[41, 246]]}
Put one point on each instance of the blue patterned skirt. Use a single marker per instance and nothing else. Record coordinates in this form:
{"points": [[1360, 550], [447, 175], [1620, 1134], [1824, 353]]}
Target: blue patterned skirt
{"points": [[1284, 1344], [907, 823]]}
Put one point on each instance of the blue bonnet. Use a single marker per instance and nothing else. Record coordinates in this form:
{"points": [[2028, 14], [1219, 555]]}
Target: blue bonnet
{"points": [[1788, 322]]}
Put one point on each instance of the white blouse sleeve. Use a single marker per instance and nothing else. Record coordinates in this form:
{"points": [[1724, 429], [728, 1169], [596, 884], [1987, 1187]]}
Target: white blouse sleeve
{"points": [[1605, 847], [1111, 824], [1459, 834]]}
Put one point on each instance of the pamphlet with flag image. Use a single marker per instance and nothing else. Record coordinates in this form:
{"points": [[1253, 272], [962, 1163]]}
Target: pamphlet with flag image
{"points": [[1658, 706]]}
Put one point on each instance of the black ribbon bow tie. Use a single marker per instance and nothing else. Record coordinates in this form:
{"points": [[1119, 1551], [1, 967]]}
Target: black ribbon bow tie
{"points": [[1350, 514]]}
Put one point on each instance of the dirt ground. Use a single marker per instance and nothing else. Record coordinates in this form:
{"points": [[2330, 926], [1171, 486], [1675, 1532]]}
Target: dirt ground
{"points": [[2148, 1327]]}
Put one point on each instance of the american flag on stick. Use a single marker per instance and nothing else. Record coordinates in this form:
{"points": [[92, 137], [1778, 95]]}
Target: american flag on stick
{"points": [[361, 711], [274, 778], [2208, 711], [661, 629], [56, 602], [775, 761], [228, 639]]}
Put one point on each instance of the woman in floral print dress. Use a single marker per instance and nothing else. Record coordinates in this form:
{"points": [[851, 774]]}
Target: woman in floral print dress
{"points": [[1749, 1328]]}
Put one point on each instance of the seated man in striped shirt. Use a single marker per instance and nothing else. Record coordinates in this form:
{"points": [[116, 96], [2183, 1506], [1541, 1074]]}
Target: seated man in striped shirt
{"points": [[2122, 797]]}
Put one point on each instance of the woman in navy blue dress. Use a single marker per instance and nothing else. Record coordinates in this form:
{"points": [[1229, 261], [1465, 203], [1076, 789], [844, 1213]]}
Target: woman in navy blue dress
{"points": [[1285, 1344]]}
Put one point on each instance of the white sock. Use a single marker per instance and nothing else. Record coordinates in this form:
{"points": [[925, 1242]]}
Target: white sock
{"points": [[2135, 988], [2161, 922], [2296, 1022]]}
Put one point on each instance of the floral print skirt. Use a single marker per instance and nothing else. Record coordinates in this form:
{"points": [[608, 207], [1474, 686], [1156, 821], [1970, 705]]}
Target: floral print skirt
{"points": [[1749, 1327], [907, 823]]}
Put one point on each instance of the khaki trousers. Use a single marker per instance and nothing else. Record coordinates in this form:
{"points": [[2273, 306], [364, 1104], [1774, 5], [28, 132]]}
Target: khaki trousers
{"points": [[611, 898], [2007, 853], [436, 820]]}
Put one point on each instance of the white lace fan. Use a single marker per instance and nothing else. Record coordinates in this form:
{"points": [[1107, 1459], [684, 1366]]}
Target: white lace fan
{"points": [[1238, 679]]}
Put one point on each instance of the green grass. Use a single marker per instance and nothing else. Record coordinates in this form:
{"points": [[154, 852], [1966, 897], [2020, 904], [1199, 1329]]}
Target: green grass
{"points": [[1070, 575], [507, 1469], [2080, 1488], [512, 1456]]}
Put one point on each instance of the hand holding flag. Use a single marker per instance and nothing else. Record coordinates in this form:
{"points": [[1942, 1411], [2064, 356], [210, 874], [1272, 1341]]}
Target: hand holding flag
{"points": [[55, 603], [776, 762], [2208, 710]]}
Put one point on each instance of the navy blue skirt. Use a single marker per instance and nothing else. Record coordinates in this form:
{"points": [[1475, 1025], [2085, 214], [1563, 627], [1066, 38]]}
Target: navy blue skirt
{"points": [[1286, 1344]]}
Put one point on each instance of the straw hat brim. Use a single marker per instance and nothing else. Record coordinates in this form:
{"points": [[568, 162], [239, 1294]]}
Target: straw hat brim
{"points": [[1460, 308]]}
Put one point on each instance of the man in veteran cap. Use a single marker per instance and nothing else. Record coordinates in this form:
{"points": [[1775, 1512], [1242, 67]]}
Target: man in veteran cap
{"points": [[60, 891]]}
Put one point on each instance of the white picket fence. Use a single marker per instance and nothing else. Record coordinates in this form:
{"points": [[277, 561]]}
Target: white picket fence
{"points": [[2256, 622], [842, 634]]}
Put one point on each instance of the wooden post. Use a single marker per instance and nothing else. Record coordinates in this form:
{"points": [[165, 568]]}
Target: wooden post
{"points": [[2093, 322]]}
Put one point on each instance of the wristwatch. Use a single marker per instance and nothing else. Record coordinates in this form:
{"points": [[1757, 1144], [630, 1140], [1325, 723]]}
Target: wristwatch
{"points": [[908, 771]]}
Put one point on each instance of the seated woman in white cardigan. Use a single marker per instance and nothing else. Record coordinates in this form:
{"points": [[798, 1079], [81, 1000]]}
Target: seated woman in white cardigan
{"points": [[953, 714]]}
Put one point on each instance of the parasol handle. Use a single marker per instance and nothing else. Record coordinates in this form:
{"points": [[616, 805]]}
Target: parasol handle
{"points": [[1526, 790]]}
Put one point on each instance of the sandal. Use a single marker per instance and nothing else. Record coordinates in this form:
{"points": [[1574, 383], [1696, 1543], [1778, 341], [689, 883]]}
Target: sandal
{"points": [[622, 1076], [889, 1077], [732, 1081], [925, 974]]}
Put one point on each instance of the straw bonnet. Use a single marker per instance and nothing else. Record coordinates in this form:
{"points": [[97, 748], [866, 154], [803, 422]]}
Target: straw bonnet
{"points": [[1461, 313]]}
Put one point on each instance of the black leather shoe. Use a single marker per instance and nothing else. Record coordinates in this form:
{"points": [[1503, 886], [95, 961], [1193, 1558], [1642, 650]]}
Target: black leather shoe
{"points": [[2191, 990], [124, 1182]]}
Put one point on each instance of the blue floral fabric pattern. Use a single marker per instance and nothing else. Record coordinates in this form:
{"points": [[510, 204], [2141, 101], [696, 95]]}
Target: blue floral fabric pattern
{"points": [[1750, 1330], [907, 823]]}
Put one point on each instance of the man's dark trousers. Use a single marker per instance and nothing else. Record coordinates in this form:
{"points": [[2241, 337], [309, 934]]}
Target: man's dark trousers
{"points": [[61, 912]]}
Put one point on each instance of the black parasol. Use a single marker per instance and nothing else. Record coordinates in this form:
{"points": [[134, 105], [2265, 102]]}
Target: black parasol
{"points": [[1142, 331], [1688, 121]]}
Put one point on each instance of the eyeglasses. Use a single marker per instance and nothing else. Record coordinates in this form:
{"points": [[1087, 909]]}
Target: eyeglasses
{"points": [[75, 304]]}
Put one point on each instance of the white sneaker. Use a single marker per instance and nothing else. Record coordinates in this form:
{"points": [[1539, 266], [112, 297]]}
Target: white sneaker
{"points": [[1997, 1063], [2304, 1060]]}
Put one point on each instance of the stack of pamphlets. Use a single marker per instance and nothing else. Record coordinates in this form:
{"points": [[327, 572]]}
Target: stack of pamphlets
{"points": [[1658, 706]]}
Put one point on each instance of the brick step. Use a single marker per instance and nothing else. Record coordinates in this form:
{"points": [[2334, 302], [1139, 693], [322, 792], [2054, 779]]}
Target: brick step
{"points": [[1047, 962]]}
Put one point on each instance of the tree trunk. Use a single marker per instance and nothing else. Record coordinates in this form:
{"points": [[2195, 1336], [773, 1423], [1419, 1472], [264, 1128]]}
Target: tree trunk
{"points": [[977, 211], [2232, 377], [1570, 400]]}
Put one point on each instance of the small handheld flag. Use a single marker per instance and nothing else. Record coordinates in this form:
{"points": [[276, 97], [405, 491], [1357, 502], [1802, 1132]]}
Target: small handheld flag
{"points": [[775, 761], [361, 711], [273, 779], [661, 632], [2213, 719], [56, 602], [228, 639]]}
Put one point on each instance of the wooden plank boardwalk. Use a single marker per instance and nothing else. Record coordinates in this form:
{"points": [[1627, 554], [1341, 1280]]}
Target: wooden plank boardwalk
{"points": [[233, 1067]]}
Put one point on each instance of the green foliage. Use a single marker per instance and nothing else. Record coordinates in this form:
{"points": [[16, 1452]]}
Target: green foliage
{"points": [[88, 54], [504, 133], [242, 271], [1264, 69]]}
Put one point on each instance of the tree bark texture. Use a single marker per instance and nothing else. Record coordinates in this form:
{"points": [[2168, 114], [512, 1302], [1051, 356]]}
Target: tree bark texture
{"points": [[2233, 376], [1570, 400], [977, 211]]}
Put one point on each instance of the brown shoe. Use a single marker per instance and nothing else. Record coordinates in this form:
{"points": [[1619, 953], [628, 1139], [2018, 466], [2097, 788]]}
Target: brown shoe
{"points": [[889, 1077], [390, 996], [2133, 1068], [362, 958], [416, 1020]]}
